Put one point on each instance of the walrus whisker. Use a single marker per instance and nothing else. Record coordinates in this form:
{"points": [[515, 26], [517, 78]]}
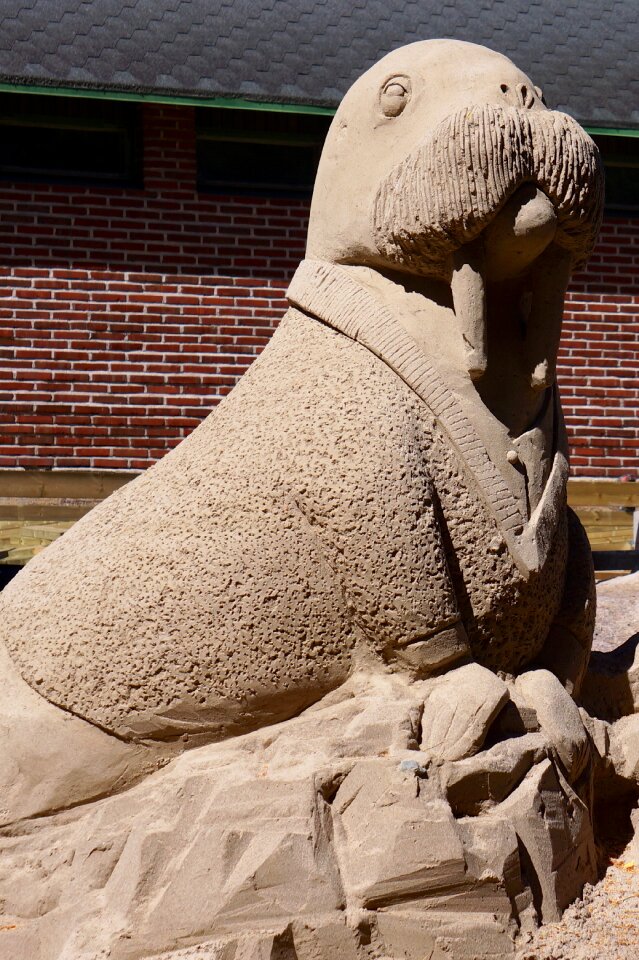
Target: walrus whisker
{"points": [[449, 189]]}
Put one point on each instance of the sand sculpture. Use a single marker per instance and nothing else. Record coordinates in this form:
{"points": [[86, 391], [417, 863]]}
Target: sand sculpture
{"points": [[356, 588]]}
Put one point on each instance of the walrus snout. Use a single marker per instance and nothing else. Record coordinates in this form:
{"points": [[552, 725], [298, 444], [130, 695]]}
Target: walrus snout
{"points": [[518, 237], [520, 233], [519, 249], [449, 189], [494, 190]]}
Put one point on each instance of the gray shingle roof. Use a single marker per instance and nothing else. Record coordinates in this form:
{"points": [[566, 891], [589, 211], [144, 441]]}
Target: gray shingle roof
{"points": [[584, 53]]}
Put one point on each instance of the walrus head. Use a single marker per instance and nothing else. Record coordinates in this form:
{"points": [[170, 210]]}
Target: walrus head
{"points": [[444, 162]]}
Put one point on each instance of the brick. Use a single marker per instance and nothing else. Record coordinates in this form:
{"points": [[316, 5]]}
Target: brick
{"points": [[125, 314]]}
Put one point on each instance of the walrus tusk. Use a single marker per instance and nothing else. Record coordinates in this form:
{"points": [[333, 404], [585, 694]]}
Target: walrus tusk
{"points": [[543, 328], [469, 301]]}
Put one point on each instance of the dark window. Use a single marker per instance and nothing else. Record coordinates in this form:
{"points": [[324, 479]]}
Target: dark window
{"points": [[621, 162], [68, 139], [258, 151]]}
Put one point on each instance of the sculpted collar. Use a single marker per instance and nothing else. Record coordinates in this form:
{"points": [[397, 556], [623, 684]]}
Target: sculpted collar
{"points": [[332, 295]]}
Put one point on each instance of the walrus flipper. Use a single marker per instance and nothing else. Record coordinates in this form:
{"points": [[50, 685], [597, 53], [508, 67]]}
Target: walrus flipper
{"points": [[237, 580]]}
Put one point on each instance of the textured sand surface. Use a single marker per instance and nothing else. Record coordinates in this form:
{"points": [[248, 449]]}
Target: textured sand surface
{"points": [[288, 589], [342, 834], [618, 612], [604, 923]]}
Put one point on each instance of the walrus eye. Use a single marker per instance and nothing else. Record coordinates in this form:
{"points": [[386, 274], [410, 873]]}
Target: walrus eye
{"points": [[394, 96]]}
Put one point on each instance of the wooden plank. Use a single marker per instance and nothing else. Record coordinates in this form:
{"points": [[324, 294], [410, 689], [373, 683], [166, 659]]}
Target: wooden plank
{"points": [[26, 543], [612, 528], [44, 530], [11, 530], [63, 484], [597, 544], [622, 530], [611, 516], [20, 550], [608, 528], [44, 508], [606, 493], [19, 555], [29, 524], [37, 506]]}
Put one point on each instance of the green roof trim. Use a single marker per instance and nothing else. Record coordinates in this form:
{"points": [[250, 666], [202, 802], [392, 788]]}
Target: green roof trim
{"points": [[612, 131], [233, 103]]}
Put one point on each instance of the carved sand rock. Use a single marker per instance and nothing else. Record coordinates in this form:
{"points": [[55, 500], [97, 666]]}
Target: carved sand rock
{"points": [[604, 921], [610, 692], [355, 588], [329, 835], [611, 686]]}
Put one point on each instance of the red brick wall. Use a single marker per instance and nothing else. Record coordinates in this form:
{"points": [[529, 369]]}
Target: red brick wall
{"points": [[126, 315], [111, 369], [599, 357]]}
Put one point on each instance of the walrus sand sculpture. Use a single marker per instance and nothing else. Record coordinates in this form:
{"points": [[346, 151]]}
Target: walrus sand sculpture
{"points": [[382, 496], [388, 480]]}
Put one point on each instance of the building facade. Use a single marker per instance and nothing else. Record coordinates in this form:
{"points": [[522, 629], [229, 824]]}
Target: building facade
{"points": [[146, 246]]}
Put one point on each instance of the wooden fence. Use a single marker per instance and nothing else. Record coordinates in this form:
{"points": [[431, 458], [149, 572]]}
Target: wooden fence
{"points": [[36, 507]]}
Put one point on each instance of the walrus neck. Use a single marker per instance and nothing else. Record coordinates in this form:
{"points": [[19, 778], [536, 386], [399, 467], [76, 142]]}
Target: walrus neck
{"points": [[425, 309]]}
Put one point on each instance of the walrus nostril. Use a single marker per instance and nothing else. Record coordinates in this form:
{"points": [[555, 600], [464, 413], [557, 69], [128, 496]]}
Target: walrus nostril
{"points": [[525, 96]]}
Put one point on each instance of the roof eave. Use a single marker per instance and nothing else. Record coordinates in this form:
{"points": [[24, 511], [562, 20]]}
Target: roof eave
{"points": [[227, 101], [169, 97]]}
